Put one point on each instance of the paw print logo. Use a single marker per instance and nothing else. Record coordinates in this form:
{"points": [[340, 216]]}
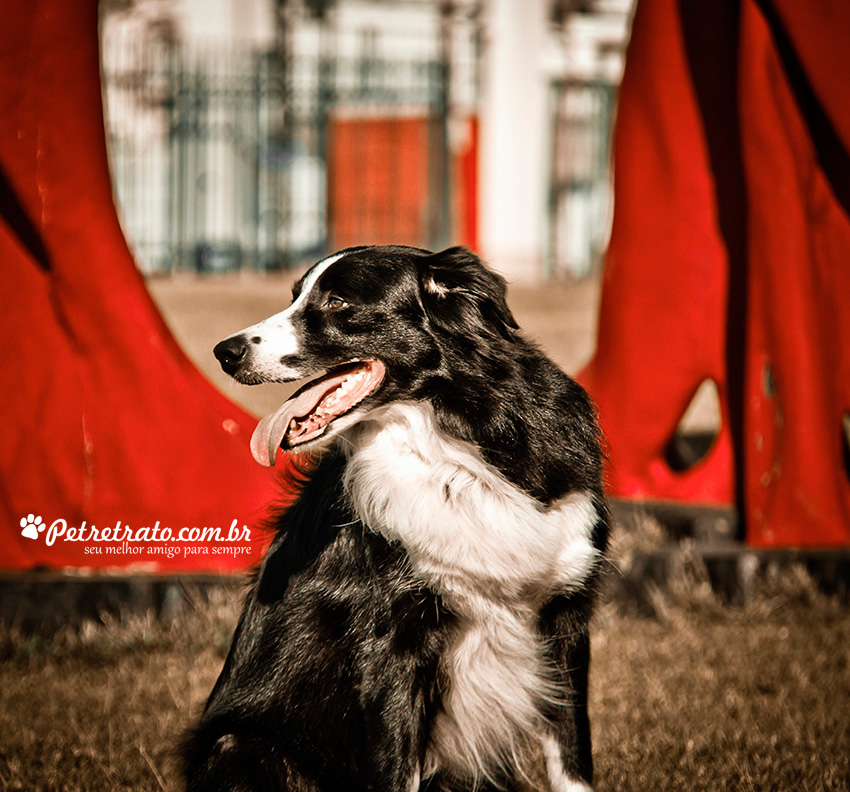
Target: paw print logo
{"points": [[32, 526]]}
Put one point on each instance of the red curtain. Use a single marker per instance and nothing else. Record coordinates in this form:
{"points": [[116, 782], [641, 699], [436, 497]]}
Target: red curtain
{"points": [[730, 260], [105, 419]]}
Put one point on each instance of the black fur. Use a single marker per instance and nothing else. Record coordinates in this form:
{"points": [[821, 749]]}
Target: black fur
{"points": [[333, 676], [337, 648]]}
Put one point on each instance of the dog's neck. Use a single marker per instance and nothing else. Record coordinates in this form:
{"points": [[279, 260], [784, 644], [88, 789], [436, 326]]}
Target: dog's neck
{"points": [[461, 522]]}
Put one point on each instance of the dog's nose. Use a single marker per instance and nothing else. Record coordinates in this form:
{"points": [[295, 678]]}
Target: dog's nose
{"points": [[230, 353]]}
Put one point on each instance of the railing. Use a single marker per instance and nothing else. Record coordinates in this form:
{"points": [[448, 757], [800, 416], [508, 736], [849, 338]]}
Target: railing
{"points": [[223, 158]]}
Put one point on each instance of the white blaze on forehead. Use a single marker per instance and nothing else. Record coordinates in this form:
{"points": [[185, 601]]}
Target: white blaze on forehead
{"points": [[277, 331], [310, 280]]}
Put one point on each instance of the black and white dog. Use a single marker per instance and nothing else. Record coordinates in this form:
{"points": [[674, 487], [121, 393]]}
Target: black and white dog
{"points": [[421, 618]]}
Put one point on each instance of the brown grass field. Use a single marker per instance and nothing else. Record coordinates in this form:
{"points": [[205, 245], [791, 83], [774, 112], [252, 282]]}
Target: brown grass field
{"points": [[700, 697]]}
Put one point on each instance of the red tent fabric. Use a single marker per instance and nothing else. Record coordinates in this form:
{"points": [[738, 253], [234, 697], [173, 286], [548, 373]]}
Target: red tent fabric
{"points": [[105, 419], [729, 261]]}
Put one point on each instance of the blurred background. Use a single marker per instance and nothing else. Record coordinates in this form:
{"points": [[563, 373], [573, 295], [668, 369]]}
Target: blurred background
{"points": [[248, 139], [256, 135]]}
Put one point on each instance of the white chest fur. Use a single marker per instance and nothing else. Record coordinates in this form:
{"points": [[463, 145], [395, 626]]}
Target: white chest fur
{"points": [[491, 550]]}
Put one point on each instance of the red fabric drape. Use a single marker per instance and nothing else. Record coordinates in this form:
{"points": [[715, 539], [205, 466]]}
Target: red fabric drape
{"points": [[104, 417], [729, 260]]}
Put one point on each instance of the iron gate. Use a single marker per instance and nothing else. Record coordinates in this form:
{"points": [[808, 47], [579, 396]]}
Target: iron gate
{"points": [[220, 156]]}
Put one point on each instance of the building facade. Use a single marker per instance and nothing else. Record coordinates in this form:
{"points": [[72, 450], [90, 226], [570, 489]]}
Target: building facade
{"points": [[260, 135]]}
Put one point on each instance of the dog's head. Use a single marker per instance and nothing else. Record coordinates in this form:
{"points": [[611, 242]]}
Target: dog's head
{"points": [[375, 323]]}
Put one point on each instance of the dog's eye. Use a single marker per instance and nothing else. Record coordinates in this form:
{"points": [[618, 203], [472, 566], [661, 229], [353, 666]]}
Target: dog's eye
{"points": [[336, 302]]}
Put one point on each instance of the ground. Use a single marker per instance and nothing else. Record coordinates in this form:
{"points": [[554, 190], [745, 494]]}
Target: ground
{"points": [[698, 697], [202, 311]]}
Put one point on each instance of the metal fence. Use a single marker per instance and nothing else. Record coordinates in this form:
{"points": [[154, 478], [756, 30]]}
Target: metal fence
{"points": [[580, 195], [220, 156]]}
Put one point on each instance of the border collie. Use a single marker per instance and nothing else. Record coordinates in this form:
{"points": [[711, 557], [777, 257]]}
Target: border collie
{"points": [[421, 618]]}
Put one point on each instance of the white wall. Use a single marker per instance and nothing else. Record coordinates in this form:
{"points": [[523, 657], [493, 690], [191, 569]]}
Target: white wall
{"points": [[514, 139], [245, 20]]}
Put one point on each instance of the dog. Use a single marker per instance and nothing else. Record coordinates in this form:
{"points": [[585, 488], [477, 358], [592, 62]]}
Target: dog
{"points": [[420, 621]]}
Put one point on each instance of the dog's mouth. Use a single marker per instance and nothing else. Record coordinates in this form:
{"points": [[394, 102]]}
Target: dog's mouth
{"points": [[308, 413]]}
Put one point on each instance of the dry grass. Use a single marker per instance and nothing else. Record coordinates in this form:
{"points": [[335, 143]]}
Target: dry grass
{"points": [[103, 708], [705, 697], [700, 698]]}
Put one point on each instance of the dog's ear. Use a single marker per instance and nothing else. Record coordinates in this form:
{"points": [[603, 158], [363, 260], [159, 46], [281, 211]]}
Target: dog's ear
{"points": [[461, 295]]}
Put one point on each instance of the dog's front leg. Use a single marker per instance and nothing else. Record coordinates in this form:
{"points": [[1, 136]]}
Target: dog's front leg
{"points": [[566, 742]]}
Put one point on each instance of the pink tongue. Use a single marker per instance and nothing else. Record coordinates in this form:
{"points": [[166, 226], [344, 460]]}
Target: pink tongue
{"points": [[271, 430]]}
